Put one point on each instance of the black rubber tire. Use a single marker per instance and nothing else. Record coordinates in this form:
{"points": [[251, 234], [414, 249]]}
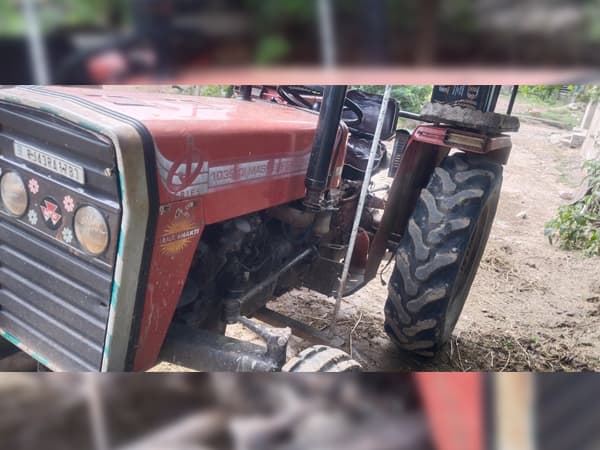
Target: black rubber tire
{"points": [[321, 358], [438, 257]]}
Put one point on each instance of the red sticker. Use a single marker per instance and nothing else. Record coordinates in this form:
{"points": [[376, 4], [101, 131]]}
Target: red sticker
{"points": [[52, 214]]}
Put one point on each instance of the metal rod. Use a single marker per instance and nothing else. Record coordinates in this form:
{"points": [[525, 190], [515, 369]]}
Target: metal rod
{"points": [[299, 329], [274, 277], [37, 52], [513, 97], [410, 115], [97, 412], [493, 99], [361, 204], [327, 33]]}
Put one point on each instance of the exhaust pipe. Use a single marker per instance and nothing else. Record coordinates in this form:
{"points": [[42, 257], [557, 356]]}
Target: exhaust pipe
{"points": [[324, 145]]}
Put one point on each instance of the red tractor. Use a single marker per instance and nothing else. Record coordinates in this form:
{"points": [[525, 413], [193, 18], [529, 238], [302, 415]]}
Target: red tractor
{"points": [[138, 225]]}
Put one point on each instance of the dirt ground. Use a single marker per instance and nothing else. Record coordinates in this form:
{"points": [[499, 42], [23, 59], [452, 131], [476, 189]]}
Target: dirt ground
{"points": [[533, 307]]}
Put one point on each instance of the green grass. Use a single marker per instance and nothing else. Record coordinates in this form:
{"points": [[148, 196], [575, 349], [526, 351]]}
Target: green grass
{"points": [[563, 116], [555, 111]]}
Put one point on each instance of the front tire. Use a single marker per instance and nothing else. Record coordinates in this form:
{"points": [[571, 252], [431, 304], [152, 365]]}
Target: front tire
{"points": [[438, 257], [321, 358]]}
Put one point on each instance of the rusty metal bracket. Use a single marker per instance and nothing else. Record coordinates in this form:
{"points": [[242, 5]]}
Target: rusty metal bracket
{"points": [[299, 329], [414, 172]]}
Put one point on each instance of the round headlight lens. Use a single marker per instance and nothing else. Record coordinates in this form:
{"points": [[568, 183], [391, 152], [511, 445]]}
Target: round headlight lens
{"points": [[14, 194], [91, 230]]}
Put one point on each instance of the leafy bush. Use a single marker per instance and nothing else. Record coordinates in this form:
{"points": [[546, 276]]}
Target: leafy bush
{"points": [[577, 226], [545, 93], [589, 92], [411, 98], [216, 90]]}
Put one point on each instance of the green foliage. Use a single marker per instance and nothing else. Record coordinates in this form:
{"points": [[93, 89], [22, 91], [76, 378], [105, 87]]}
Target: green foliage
{"points": [[546, 93], [209, 90], [273, 20], [272, 49], [589, 92], [60, 13], [216, 90], [577, 226], [410, 98], [550, 94]]}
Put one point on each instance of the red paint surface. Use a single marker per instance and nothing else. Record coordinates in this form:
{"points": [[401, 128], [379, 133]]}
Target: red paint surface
{"points": [[261, 149], [168, 274], [454, 405]]}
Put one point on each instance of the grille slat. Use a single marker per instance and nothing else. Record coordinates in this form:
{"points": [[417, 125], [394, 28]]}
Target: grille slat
{"points": [[37, 319], [63, 263], [44, 345], [56, 283], [44, 305], [51, 304]]}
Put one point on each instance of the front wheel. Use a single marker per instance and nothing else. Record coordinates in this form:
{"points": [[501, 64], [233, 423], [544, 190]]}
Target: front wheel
{"points": [[438, 257], [321, 358]]}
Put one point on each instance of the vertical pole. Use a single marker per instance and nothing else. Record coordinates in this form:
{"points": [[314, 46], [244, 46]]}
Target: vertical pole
{"points": [[37, 52], [513, 97], [246, 92], [515, 411], [327, 33], [361, 204], [97, 412]]}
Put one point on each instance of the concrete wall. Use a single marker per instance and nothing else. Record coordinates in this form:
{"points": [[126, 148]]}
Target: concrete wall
{"points": [[591, 145]]}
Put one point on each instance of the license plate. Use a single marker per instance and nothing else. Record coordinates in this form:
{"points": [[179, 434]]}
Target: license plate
{"points": [[50, 162]]}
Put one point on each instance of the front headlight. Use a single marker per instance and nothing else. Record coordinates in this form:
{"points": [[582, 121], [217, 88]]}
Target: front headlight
{"points": [[91, 230], [14, 194]]}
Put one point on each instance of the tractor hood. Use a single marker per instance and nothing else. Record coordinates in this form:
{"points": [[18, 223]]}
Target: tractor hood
{"points": [[213, 147]]}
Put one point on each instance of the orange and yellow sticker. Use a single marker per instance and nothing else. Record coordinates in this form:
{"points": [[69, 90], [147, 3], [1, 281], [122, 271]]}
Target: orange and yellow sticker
{"points": [[178, 236]]}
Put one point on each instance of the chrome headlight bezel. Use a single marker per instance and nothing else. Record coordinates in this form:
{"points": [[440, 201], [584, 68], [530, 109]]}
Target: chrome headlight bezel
{"points": [[85, 219], [22, 204]]}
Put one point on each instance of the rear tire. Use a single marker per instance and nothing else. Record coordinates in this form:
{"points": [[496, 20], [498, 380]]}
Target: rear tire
{"points": [[321, 358], [438, 256]]}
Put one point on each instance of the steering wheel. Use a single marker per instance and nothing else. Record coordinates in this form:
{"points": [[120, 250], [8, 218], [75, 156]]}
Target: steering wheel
{"points": [[295, 95]]}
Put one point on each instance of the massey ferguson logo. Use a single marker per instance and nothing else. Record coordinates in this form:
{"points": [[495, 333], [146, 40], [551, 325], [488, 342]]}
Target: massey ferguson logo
{"points": [[51, 213]]}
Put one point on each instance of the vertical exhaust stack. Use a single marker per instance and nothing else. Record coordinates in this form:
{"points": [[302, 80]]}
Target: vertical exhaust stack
{"points": [[324, 145], [246, 93]]}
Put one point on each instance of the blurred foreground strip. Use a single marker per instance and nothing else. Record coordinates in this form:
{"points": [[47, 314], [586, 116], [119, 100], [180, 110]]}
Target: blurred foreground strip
{"points": [[179, 411]]}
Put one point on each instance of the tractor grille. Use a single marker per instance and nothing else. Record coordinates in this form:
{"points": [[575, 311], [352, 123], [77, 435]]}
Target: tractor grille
{"points": [[51, 302], [54, 297]]}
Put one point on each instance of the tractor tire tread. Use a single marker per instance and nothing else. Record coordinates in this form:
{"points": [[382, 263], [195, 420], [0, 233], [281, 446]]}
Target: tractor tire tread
{"points": [[321, 358], [431, 252]]}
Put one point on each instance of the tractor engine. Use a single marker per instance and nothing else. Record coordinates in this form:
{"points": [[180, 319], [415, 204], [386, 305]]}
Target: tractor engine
{"points": [[233, 257]]}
